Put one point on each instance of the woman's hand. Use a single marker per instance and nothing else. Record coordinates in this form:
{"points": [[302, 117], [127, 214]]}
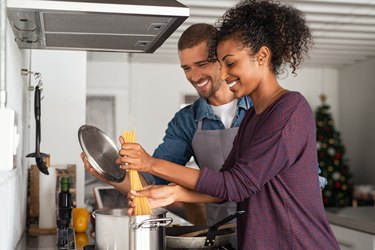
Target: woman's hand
{"points": [[91, 170], [134, 157], [157, 195]]}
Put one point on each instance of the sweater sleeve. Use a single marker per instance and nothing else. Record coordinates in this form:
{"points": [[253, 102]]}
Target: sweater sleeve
{"points": [[275, 144]]}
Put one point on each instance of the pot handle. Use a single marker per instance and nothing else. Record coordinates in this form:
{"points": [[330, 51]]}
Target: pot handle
{"points": [[212, 230], [152, 223]]}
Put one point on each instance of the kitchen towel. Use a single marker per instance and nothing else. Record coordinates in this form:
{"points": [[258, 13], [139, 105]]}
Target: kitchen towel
{"points": [[47, 199]]}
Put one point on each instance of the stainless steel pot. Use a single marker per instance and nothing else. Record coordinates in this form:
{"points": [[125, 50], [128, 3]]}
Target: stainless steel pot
{"points": [[115, 230], [111, 229], [147, 232]]}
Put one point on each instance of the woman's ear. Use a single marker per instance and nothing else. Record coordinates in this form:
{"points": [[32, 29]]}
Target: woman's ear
{"points": [[263, 55]]}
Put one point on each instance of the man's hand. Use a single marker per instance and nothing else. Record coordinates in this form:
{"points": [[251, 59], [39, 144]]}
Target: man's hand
{"points": [[134, 157], [91, 170]]}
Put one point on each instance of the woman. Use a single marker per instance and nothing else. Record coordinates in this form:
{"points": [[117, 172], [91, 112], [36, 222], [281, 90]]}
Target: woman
{"points": [[269, 172]]}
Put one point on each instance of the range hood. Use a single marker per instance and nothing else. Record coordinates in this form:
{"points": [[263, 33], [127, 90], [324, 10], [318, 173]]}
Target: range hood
{"points": [[94, 25]]}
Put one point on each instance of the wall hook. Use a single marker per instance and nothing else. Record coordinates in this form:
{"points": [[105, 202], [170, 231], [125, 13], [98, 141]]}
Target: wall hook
{"points": [[37, 78]]}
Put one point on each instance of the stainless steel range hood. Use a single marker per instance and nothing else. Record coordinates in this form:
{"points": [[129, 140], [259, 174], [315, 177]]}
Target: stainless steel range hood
{"points": [[94, 25]]}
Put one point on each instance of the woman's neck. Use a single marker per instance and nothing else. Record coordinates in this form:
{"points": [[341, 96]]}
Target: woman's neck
{"points": [[265, 94]]}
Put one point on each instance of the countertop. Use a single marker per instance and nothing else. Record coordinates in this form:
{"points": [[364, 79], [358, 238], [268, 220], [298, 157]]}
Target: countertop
{"points": [[49, 242], [359, 218]]}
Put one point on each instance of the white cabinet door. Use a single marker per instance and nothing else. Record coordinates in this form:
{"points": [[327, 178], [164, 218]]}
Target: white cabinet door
{"points": [[350, 239]]}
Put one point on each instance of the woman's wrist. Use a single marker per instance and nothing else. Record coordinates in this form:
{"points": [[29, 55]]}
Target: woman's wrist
{"points": [[176, 192]]}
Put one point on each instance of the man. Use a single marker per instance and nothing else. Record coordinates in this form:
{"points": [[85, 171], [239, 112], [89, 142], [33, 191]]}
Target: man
{"points": [[205, 129]]}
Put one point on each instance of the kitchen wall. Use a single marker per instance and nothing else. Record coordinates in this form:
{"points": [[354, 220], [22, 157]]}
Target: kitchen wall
{"points": [[108, 74], [13, 184], [63, 111], [63, 108], [357, 118]]}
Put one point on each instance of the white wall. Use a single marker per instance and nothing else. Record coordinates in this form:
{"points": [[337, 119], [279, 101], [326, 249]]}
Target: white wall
{"points": [[108, 75], [13, 184], [157, 92], [312, 82], [63, 107], [357, 118]]}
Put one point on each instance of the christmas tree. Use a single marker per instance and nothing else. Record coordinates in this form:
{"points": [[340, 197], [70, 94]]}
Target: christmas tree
{"points": [[333, 164]]}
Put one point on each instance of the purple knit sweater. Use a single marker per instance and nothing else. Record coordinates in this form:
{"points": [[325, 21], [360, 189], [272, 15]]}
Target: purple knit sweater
{"points": [[271, 173]]}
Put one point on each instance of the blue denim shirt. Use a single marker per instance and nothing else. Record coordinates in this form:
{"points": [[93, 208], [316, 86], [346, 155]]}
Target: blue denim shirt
{"points": [[176, 146]]}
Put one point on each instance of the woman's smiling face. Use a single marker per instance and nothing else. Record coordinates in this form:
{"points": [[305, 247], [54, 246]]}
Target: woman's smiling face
{"points": [[240, 68]]}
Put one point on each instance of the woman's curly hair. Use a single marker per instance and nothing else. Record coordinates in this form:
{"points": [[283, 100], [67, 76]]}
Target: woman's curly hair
{"points": [[282, 28]]}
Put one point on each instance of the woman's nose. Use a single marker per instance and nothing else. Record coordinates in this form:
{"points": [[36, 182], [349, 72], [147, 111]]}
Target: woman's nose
{"points": [[223, 74]]}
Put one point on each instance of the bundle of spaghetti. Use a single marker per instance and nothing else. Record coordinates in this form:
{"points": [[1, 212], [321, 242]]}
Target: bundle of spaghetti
{"points": [[141, 202]]}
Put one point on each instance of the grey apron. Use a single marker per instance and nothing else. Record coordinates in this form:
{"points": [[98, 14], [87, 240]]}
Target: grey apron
{"points": [[211, 148]]}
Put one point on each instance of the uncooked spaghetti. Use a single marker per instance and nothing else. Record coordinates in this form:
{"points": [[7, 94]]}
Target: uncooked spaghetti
{"points": [[141, 202]]}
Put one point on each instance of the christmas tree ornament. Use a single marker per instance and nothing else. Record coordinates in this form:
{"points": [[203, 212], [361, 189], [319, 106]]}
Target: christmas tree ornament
{"points": [[336, 176], [331, 151]]}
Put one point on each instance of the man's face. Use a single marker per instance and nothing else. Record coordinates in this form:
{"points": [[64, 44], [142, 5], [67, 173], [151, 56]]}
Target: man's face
{"points": [[203, 75]]}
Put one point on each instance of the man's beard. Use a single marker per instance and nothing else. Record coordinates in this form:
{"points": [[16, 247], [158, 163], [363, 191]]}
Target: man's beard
{"points": [[210, 92]]}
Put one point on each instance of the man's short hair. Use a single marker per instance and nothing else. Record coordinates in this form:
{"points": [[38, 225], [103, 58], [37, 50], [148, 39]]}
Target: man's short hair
{"points": [[196, 34]]}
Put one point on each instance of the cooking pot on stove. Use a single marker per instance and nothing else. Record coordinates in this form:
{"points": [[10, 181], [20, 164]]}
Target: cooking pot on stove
{"points": [[115, 230], [147, 232]]}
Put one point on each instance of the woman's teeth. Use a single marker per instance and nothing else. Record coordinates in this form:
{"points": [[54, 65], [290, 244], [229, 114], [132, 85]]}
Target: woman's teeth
{"points": [[202, 84], [232, 84]]}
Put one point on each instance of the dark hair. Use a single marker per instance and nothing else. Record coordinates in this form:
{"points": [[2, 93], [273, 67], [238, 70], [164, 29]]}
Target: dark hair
{"points": [[196, 34], [282, 28]]}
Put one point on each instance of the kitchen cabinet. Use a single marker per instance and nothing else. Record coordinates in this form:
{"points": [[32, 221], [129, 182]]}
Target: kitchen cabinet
{"points": [[12, 215], [350, 239], [354, 228]]}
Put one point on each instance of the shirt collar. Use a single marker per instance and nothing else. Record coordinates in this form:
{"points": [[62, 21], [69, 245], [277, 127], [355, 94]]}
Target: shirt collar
{"points": [[245, 102], [204, 110]]}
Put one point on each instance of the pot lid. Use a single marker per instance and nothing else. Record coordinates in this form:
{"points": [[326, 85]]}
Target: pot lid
{"points": [[101, 152]]}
